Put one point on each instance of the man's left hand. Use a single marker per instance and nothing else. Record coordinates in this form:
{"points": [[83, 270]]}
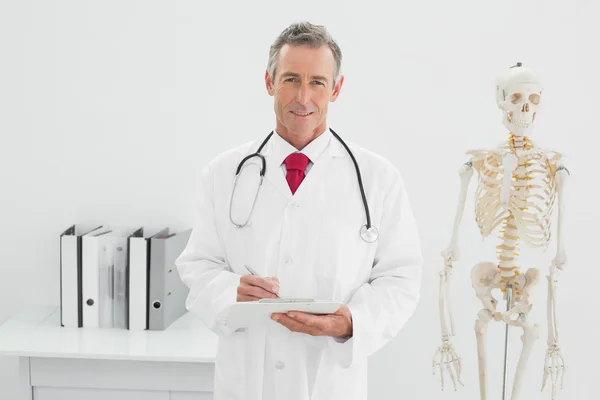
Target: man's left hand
{"points": [[336, 325]]}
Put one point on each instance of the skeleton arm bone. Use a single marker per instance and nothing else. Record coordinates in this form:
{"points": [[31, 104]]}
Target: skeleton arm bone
{"points": [[466, 172], [446, 356], [560, 258], [561, 175], [451, 253], [554, 365]]}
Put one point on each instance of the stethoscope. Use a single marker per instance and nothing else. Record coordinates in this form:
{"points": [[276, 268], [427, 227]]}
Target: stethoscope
{"points": [[368, 233]]}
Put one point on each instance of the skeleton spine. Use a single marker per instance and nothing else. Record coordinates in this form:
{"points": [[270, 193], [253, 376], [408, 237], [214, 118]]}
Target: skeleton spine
{"points": [[508, 252]]}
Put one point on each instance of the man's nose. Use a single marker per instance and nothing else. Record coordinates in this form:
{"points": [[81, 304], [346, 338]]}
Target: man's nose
{"points": [[303, 94]]}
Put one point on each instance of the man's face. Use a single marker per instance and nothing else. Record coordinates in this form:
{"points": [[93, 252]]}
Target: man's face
{"points": [[303, 88]]}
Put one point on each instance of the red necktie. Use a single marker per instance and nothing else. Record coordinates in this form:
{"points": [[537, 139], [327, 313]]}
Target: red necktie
{"points": [[295, 165]]}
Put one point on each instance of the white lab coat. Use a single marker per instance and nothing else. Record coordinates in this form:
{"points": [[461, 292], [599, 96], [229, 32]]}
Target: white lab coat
{"points": [[311, 242]]}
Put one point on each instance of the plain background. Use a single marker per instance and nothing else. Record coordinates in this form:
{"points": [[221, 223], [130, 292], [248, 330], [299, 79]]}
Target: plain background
{"points": [[109, 110]]}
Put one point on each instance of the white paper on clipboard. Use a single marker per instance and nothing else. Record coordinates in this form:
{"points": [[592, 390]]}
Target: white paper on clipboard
{"points": [[244, 314]]}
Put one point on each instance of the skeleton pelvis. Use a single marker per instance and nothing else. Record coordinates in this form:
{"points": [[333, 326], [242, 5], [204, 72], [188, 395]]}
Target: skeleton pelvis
{"points": [[485, 277]]}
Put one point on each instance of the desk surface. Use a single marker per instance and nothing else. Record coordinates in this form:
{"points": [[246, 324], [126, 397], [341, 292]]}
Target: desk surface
{"points": [[36, 332]]}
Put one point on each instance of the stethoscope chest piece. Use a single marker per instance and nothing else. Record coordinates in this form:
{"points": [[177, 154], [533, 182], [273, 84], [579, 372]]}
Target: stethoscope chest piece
{"points": [[369, 235]]}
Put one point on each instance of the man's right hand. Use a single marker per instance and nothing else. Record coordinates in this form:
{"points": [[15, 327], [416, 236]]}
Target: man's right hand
{"points": [[253, 288]]}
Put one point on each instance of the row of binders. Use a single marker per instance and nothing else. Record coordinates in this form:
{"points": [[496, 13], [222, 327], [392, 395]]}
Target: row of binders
{"points": [[121, 278]]}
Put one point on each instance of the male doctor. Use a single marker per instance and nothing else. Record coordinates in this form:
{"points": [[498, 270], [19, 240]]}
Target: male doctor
{"points": [[303, 240]]}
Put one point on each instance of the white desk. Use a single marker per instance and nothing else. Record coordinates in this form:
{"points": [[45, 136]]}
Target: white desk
{"points": [[58, 363]]}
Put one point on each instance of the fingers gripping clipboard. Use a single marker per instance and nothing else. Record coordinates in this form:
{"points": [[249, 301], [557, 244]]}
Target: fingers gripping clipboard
{"points": [[244, 314]]}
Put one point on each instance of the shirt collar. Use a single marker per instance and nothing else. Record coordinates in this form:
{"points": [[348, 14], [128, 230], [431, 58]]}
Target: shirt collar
{"points": [[282, 149]]}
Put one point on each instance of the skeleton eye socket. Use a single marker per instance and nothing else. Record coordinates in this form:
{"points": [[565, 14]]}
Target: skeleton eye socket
{"points": [[534, 98], [515, 98]]}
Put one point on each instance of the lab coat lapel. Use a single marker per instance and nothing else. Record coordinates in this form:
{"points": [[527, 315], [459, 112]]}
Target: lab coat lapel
{"points": [[321, 173], [316, 178], [274, 174]]}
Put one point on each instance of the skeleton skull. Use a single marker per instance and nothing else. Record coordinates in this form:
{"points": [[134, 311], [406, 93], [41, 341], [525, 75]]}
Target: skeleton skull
{"points": [[518, 94]]}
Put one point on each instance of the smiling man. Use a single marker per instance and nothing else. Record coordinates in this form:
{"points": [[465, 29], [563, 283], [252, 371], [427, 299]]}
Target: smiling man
{"points": [[331, 221], [305, 86]]}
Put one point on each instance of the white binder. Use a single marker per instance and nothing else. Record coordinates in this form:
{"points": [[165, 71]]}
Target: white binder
{"points": [[246, 313], [98, 259], [71, 313], [138, 277], [119, 288]]}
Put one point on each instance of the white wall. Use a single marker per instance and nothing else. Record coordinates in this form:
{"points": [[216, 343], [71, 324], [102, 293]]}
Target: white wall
{"points": [[108, 110]]}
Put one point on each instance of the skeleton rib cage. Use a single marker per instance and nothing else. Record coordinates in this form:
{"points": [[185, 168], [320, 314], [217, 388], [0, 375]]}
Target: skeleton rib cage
{"points": [[532, 192]]}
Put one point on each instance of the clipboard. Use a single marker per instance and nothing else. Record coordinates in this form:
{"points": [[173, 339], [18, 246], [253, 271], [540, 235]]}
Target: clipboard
{"points": [[244, 314]]}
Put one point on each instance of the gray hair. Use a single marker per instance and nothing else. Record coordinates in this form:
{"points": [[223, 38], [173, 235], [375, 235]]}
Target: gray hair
{"points": [[304, 34]]}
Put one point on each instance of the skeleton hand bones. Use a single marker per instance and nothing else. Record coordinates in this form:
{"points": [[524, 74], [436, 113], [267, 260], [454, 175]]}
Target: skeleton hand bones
{"points": [[446, 358], [554, 366]]}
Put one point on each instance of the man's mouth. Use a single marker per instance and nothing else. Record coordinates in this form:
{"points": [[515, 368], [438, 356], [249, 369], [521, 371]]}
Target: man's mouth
{"points": [[302, 114]]}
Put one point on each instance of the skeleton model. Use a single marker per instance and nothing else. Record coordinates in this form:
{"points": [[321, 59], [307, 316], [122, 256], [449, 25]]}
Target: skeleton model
{"points": [[518, 184]]}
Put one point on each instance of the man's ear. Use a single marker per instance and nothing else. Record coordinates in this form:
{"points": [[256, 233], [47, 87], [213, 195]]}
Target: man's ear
{"points": [[337, 89], [269, 84]]}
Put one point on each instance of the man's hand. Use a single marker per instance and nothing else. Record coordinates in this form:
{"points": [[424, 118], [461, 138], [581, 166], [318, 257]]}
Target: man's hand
{"points": [[253, 288], [336, 325]]}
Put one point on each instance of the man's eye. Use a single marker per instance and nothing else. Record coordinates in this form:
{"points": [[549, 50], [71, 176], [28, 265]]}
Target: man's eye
{"points": [[319, 82]]}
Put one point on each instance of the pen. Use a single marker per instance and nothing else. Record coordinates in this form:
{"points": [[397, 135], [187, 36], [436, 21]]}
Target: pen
{"points": [[255, 274]]}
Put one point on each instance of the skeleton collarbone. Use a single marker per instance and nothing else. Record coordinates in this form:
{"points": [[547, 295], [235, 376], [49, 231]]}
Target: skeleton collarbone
{"points": [[517, 183]]}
